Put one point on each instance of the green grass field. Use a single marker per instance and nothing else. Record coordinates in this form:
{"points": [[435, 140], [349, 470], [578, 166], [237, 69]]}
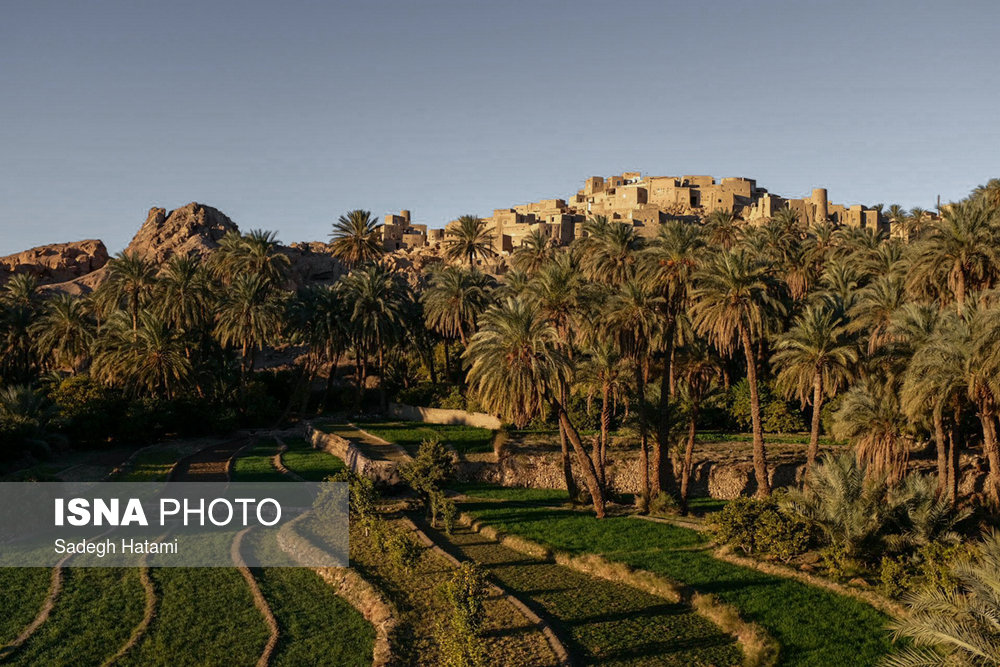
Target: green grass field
{"points": [[814, 627], [94, 615], [255, 464], [313, 465], [409, 435], [24, 590]]}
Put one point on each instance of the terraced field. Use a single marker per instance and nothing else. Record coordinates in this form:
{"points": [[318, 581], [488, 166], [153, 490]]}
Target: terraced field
{"points": [[602, 622], [813, 626], [409, 435], [203, 616]]}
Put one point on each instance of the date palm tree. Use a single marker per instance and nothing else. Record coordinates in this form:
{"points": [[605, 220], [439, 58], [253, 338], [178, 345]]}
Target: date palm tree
{"points": [[536, 249], [131, 279], [516, 368], [668, 264], [734, 297], [357, 238], [722, 228], [604, 372], [959, 624], [64, 333], [871, 418], [609, 251], [698, 369], [147, 360], [20, 303], [469, 237], [377, 314], [815, 358], [248, 317], [183, 294], [455, 299], [958, 254], [632, 321]]}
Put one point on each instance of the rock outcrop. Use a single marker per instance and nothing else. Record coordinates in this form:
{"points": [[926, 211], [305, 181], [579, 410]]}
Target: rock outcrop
{"points": [[55, 263], [194, 228]]}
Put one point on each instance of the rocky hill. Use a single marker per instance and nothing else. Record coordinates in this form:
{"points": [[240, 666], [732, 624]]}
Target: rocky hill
{"points": [[193, 228], [55, 263]]}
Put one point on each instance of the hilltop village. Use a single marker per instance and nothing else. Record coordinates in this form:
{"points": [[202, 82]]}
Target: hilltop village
{"points": [[643, 201]]}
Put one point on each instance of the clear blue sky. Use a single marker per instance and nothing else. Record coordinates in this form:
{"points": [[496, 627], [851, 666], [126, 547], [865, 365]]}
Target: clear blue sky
{"points": [[286, 114]]}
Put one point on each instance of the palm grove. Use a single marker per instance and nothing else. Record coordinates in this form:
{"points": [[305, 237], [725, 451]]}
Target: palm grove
{"points": [[892, 344]]}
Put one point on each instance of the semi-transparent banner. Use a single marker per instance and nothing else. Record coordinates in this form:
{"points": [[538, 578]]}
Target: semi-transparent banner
{"points": [[173, 524]]}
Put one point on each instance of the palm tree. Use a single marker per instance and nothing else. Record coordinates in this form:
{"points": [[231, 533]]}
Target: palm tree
{"points": [[147, 360], [64, 333], [668, 264], [249, 316], [815, 357], [873, 310], [131, 279], [982, 372], [871, 418], [20, 303], [989, 193], [558, 290], [723, 229], [516, 368], [733, 300], [958, 251], [632, 320], [455, 299], [469, 237], [958, 625], [377, 314], [609, 251], [603, 371], [183, 293], [356, 238], [536, 249], [698, 368], [935, 381]]}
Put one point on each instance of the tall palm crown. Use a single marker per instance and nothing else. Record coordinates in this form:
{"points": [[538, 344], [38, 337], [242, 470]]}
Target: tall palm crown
{"points": [[610, 252], [722, 228], [734, 296], [376, 295], [733, 303], [249, 316], [148, 359], [64, 333], [516, 365], [815, 358], [183, 293], [958, 251], [467, 238], [131, 279], [356, 238], [536, 249], [20, 302], [558, 290], [455, 299], [871, 418]]}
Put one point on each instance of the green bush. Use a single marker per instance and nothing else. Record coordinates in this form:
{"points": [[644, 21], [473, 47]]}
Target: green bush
{"points": [[777, 415], [663, 504], [460, 633], [757, 526]]}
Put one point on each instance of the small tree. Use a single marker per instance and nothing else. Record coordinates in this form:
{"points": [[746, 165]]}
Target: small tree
{"points": [[427, 475], [459, 635]]}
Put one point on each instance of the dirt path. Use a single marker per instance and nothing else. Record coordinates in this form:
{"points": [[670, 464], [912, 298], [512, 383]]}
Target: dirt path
{"points": [[600, 621], [211, 464]]}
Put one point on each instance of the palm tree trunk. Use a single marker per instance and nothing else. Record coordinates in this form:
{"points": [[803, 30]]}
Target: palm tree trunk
{"points": [[382, 402], [814, 430], [447, 361], [662, 463], [939, 443], [688, 457], [953, 440], [640, 389], [602, 457], [589, 473], [990, 448], [759, 453], [567, 464]]}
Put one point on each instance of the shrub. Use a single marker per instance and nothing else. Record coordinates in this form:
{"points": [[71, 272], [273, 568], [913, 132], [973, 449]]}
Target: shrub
{"points": [[459, 634], [663, 504], [427, 474], [779, 417], [760, 526]]}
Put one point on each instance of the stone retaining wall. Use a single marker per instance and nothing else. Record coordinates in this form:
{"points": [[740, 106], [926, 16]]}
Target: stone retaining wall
{"points": [[382, 472], [441, 416]]}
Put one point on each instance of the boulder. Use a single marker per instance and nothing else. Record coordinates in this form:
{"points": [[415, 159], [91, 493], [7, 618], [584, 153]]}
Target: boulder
{"points": [[55, 263]]}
